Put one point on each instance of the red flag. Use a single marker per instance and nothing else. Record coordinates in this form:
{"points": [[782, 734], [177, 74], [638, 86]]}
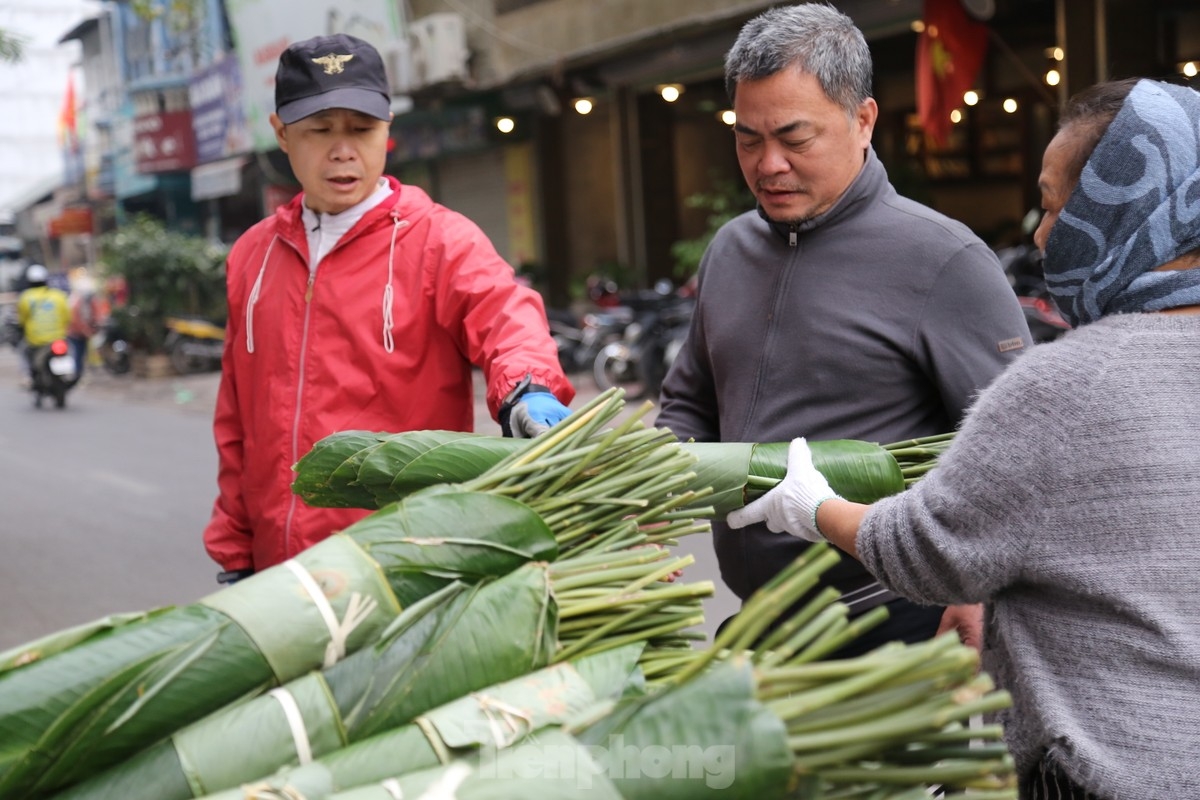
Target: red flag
{"points": [[67, 134], [949, 54]]}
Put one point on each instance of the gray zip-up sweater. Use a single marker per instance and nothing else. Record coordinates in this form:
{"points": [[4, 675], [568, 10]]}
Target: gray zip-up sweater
{"points": [[881, 321], [1068, 503]]}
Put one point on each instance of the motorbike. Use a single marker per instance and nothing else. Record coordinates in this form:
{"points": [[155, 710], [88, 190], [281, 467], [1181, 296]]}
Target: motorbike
{"points": [[53, 372], [194, 345], [1023, 265], [580, 339], [112, 346], [638, 361]]}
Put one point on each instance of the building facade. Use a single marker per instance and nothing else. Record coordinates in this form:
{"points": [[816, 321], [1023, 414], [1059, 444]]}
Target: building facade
{"points": [[577, 133]]}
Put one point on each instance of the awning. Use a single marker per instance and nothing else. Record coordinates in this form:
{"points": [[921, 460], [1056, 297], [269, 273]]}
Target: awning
{"points": [[217, 179]]}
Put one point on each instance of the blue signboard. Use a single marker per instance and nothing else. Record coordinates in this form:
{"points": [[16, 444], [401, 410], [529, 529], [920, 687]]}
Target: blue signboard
{"points": [[217, 116]]}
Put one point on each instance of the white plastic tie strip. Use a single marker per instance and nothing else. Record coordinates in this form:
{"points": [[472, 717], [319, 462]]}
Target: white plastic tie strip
{"points": [[295, 721], [358, 610]]}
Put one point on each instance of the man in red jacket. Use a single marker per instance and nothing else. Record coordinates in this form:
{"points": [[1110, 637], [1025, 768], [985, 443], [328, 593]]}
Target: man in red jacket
{"points": [[361, 304]]}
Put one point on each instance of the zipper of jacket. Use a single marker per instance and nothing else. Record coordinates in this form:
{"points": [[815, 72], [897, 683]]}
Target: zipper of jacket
{"points": [[308, 293], [793, 234]]}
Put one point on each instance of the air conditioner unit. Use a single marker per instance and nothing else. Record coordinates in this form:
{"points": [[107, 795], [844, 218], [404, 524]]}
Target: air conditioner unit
{"points": [[438, 49]]}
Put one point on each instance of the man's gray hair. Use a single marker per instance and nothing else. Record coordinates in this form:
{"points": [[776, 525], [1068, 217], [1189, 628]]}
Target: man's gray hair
{"points": [[810, 37]]}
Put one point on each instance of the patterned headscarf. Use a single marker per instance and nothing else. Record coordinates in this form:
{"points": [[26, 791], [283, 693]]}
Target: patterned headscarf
{"points": [[1136, 207]]}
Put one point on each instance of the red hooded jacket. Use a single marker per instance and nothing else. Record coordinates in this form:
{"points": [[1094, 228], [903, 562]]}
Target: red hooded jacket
{"points": [[381, 339]]}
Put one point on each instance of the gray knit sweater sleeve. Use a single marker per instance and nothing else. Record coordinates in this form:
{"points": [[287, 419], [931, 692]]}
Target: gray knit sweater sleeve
{"points": [[951, 539], [1067, 503]]}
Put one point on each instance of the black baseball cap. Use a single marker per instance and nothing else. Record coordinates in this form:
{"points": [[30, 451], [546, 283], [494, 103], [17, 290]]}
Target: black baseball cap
{"points": [[338, 71]]}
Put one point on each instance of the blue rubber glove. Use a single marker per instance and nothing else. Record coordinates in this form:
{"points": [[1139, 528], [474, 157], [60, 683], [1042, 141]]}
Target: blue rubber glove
{"points": [[534, 414]]}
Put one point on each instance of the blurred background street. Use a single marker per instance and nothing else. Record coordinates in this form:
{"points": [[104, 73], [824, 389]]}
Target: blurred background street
{"points": [[103, 503]]}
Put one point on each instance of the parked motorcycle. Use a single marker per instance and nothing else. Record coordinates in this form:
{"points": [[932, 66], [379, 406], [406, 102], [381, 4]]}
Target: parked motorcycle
{"points": [[580, 339], [194, 345], [1023, 265], [112, 346], [53, 372], [639, 360]]}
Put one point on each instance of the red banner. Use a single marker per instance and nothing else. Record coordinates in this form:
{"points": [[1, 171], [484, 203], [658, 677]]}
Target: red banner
{"points": [[164, 142], [950, 52]]}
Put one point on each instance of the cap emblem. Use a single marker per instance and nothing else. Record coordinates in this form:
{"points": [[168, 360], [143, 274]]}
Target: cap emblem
{"points": [[333, 63]]}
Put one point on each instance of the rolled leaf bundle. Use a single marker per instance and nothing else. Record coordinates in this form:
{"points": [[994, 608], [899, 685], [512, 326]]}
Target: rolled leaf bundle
{"points": [[773, 723], [555, 767], [366, 470], [102, 699], [887, 726], [65, 716], [460, 640], [496, 716]]}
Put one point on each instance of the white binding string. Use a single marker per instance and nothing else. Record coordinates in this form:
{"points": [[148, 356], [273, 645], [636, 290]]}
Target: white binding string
{"points": [[444, 787], [392, 787], [508, 716], [357, 611], [295, 721]]}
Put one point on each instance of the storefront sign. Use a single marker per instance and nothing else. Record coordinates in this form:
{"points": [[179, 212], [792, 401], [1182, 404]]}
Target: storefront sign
{"points": [[71, 221], [164, 142], [218, 179], [218, 119]]}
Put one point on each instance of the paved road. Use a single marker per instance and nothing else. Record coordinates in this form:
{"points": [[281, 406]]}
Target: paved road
{"points": [[102, 504]]}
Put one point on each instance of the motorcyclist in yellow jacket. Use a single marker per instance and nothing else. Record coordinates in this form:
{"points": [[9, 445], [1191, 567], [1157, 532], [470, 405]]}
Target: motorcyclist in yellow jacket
{"points": [[42, 311]]}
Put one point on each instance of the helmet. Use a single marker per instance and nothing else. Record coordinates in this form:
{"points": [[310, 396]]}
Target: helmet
{"points": [[37, 274]]}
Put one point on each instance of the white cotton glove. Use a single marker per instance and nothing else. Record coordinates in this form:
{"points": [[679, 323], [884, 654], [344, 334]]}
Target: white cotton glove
{"points": [[791, 507]]}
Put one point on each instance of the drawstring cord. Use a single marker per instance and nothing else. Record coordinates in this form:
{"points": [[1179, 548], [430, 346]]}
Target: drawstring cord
{"points": [[254, 292], [389, 323], [388, 320]]}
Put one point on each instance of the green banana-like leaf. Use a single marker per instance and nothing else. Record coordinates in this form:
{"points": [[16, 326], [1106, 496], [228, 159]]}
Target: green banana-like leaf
{"points": [[709, 736], [370, 470], [67, 638], [402, 465], [330, 470], [860, 471], [440, 535], [497, 631]]}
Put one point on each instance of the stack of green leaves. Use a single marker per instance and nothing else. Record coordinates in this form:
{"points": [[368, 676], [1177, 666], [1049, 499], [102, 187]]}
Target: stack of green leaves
{"points": [[69, 708], [775, 722], [367, 470], [459, 640], [496, 716]]}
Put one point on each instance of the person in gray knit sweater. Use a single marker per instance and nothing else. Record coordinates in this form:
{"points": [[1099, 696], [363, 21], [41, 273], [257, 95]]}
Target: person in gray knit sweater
{"points": [[1067, 501]]}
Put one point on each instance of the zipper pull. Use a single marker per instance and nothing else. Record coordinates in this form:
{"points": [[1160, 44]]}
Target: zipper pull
{"points": [[308, 289], [791, 236]]}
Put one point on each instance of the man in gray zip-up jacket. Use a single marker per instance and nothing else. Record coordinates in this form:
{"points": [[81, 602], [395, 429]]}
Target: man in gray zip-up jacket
{"points": [[837, 309]]}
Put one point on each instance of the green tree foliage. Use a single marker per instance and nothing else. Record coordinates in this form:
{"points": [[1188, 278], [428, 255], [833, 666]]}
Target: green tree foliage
{"points": [[12, 46], [727, 199], [167, 274]]}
